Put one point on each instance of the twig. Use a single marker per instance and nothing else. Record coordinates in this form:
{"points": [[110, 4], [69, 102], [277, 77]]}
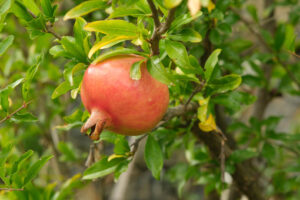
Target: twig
{"points": [[154, 13], [266, 46], [47, 28], [159, 28], [293, 53], [198, 89], [25, 104], [12, 189]]}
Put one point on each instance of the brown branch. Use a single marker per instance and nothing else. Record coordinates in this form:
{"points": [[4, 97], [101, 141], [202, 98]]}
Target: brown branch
{"points": [[244, 175], [47, 28], [154, 13], [24, 105], [159, 28]]}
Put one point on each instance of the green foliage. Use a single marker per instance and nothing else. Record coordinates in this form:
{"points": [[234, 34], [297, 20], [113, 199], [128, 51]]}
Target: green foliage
{"points": [[206, 57]]}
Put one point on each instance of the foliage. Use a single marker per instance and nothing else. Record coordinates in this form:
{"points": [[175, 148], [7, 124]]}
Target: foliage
{"points": [[45, 47]]}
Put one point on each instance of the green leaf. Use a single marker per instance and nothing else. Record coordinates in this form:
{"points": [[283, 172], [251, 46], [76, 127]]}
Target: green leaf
{"points": [[172, 3], [177, 52], [121, 146], [65, 190], [47, 8], [72, 47], [21, 12], [268, 152], [126, 11], [30, 73], [58, 50], [290, 38], [71, 70], [157, 70], [24, 117], [101, 168], [223, 84], [6, 43], [116, 52], [108, 41], [211, 63], [85, 8], [4, 99], [67, 151], [279, 37], [182, 20], [69, 126], [187, 35], [65, 86], [135, 70], [79, 32], [113, 27], [122, 167], [16, 166], [252, 11], [215, 37], [35, 168], [31, 5], [153, 157], [4, 153], [4, 6], [241, 155]]}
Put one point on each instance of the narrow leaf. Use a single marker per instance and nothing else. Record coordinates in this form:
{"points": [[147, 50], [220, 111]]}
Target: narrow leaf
{"points": [[6, 43], [35, 168], [135, 70], [113, 27], [211, 63], [108, 41], [85, 8]]}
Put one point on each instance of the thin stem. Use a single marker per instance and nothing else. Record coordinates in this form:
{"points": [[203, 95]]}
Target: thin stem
{"points": [[25, 104]]}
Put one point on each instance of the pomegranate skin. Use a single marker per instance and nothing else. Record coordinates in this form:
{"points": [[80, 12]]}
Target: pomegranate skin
{"points": [[121, 104]]}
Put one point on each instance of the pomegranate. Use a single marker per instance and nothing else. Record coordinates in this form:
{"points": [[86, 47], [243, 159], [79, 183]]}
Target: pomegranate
{"points": [[118, 103]]}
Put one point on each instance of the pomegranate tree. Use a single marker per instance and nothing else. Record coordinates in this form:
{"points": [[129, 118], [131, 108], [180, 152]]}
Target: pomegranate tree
{"points": [[117, 102]]}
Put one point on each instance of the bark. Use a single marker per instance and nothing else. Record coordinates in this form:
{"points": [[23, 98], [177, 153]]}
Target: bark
{"points": [[245, 175]]}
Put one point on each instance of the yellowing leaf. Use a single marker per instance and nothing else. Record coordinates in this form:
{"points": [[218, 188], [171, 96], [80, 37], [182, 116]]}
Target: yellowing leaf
{"points": [[194, 6], [113, 156], [85, 8], [109, 41], [208, 125], [172, 3], [211, 6], [202, 110]]}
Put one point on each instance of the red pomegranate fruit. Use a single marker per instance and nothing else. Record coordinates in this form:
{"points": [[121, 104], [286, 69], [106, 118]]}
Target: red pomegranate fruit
{"points": [[118, 103]]}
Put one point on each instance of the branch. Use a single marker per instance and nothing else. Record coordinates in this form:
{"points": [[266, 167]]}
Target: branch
{"points": [[245, 175], [25, 104], [154, 13], [47, 28], [266, 45], [159, 28]]}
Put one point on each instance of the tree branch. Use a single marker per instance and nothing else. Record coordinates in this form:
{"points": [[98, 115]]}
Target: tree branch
{"points": [[159, 29], [245, 175], [266, 45], [154, 13], [25, 104]]}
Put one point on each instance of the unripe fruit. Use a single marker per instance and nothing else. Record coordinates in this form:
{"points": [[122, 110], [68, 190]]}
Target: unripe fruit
{"points": [[117, 102]]}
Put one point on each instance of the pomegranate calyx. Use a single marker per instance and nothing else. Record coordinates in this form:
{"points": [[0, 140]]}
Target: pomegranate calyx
{"points": [[96, 122]]}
